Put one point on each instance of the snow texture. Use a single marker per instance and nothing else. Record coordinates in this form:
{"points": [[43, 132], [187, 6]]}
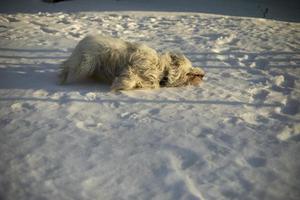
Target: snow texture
{"points": [[237, 136]]}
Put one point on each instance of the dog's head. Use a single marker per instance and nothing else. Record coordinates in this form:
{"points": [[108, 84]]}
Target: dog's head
{"points": [[179, 71]]}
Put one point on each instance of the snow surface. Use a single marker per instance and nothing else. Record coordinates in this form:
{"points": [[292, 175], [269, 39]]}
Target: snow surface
{"points": [[286, 10], [235, 137]]}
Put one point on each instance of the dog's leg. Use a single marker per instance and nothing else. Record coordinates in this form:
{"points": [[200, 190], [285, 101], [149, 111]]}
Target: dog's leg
{"points": [[63, 76], [86, 67], [129, 83], [78, 66], [123, 83], [126, 81]]}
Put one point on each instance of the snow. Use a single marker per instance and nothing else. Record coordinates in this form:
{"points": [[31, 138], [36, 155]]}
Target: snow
{"points": [[234, 137]]}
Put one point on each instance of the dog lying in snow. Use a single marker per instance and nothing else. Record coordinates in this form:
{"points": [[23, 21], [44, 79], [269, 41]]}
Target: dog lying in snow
{"points": [[128, 65]]}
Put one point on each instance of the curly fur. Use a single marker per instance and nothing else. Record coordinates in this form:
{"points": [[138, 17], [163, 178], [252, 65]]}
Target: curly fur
{"points": [[128, 65]]}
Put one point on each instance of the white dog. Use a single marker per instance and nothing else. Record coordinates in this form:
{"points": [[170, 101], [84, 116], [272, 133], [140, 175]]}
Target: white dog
{"points": [[128, 65]]}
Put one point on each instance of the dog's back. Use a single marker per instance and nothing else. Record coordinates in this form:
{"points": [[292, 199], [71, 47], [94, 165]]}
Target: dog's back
{"points": [[96, 55]]}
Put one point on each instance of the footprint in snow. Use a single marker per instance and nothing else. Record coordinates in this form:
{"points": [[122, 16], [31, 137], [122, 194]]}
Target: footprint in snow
{"points": [[259, 95], [75, 35], [154, 111], [91, 96], [290, 132], [12, 19], [5, 121], [291, 106], [64, 21], [44, 28], [48, 30], [40, 93], [3, 28], [257, 161], [283, 83], [217, 149], [128, 115], [261, 64], [16, 107], [89, 125]]}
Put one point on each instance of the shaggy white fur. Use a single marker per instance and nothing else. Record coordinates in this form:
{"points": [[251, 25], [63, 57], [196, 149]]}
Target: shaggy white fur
{"points": [[128, 65]]}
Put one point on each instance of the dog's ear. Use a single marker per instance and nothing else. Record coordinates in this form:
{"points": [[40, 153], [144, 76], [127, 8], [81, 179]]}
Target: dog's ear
{"points": [[196, 71], [176, 58], [176, 68], [195, 76]]}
